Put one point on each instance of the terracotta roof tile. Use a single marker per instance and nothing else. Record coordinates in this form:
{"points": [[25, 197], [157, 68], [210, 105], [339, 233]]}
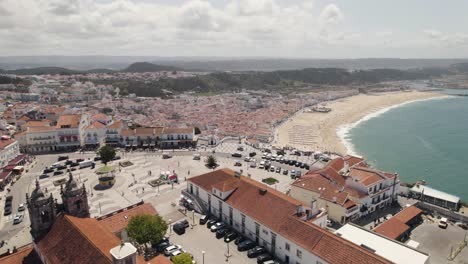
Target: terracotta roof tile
{"points": [[408, 214], [353, 160], [248, 200], [336, 164], [69, 120], [77, 240], [365, 175], [392, 228], [24, 255], [115, 125], [6, 142], [95, 125]]}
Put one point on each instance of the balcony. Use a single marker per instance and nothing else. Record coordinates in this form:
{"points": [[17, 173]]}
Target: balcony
{"points": [[352, 211]]}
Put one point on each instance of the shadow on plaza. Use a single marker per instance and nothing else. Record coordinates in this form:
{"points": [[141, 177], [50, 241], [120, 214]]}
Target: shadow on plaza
{"points": [[377, 217]]}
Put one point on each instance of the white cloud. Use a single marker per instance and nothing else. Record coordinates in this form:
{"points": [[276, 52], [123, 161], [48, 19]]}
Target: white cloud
{"points": [[331, 14]]}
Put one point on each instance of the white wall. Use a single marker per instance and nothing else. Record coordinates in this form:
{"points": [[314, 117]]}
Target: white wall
{"points": [[265, 234]]}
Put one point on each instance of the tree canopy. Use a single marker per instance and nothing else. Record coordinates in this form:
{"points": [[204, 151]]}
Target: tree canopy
{"points": [[211, 162], [183, 258], [107, 153], [146, 229]]}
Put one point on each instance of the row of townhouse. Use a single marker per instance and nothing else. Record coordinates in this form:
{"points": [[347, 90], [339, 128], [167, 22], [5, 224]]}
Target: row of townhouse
{"points": [[77, 131], [347, 188], [289, 229], [10, 157]]}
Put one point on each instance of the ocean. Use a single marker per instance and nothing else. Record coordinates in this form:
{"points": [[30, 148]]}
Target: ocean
{"points": [[422, 140]]}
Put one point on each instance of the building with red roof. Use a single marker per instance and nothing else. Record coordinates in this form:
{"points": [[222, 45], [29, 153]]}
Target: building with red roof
{"points": [[288, 228], [347, 188]]}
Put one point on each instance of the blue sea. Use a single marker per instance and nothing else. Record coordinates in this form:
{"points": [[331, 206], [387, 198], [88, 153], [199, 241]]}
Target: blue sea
{"points": [[423, 140]]}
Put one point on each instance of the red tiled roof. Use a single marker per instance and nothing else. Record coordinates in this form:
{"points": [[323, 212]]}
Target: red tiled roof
{"points": [[353, 160], [408, 214], [365, 175], [248, 200], [95, 125], [5, 143], [336, 164], [41, 128], [115, 125], [77, 240], [169, 130], [116, 222], [69, 120], [392, 228], [333, 175], [319, 184], [24, 255]]}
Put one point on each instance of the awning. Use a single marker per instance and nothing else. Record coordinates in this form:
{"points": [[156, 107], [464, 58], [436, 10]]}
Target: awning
{"points": [[17, 160], [9, 168], [18, 168], [4, 175]]}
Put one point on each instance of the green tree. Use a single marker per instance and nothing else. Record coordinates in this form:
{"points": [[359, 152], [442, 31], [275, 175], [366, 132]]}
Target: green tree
{"points": [[211, 161], [107, 153], [146, 229], [184, 258], [197, 131]]}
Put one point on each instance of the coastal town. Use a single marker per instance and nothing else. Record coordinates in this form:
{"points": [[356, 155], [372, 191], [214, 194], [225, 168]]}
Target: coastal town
{"points": [[269, 171]]}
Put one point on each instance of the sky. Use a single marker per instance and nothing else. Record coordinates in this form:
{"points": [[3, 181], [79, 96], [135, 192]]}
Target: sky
{"points": [[236, 28]]}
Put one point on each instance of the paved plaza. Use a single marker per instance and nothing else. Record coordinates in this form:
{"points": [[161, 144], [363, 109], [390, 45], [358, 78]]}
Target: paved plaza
{"points": [[131, 184]]}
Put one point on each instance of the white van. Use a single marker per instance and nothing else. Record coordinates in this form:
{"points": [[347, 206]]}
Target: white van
{"points": [[86, 164], [443, 222]]}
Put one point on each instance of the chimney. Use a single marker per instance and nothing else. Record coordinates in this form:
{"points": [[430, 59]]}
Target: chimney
{"points": [[124, 253], [262, 191], [313, 206]]}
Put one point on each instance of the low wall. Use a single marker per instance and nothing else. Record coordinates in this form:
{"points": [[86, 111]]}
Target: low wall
{"points": [[442, 212]]}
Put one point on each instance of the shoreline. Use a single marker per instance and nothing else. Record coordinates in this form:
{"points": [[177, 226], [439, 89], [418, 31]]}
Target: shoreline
{"points": [[344, 130], [330, 131]]}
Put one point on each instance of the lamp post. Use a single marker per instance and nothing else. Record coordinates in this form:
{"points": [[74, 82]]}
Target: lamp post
{"points": [[170, 229], [228, 254], [203, 257]]}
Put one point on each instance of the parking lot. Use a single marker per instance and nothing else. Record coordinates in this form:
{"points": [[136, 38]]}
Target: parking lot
{"points": [[439, 242], [200, 239]]}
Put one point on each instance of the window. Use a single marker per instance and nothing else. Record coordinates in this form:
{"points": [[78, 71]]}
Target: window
{"points": [[299, 253], [287, 246]]}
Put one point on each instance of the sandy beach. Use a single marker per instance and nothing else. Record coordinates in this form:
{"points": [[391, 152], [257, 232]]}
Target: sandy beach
{"points": [[319, 131]]}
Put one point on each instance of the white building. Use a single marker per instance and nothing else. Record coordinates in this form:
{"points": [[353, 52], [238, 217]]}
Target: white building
{"points": [[9, 149], [289, 229], [390, 249]]}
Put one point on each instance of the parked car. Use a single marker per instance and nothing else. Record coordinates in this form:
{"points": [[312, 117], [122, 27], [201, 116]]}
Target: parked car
{"points": [[179, 228], [176, 253], [58, 172], [116, 157], [246, 245], [48, 170], [211, 222], [60, 158], [237, 163], [168, 251], [252, 154], [443, 222], [68, 162], [272, 168], [253, 165], [80, 160], [285, 172], [278, 170], [230, 236], [203, 219], [239, 240], [247, 159], [240, 148], [61, 167], [256, 251], [43, 176], [7, 210], [184, 223], [21, 207], [237, 155], [74, 164], [97, 158], [18, 219], [162, 246], [221, 232], [217, 226], [306, 166], [264, 257]]}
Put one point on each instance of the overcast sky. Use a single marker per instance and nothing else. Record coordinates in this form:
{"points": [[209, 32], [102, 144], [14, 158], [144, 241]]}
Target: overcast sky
{"points": [[273, 28]]}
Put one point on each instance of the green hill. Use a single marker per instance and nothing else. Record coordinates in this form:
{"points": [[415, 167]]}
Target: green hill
{"points": [[149, 67]]}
